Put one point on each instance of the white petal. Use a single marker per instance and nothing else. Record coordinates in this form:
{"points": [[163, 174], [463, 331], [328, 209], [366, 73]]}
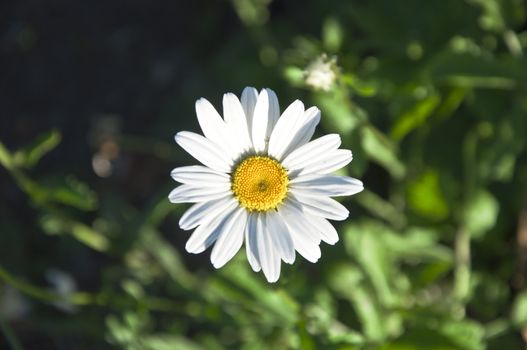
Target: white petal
{"points": [[320, 206], [214, 127], [208, 232], [251, 245], [332, 161], [192, 194], [204, 211], [300, 133], [326, 185], [248, 100], [311, 151], [305, 130], [199, 175], [296, 220], [230, 239], [210, 121], [268, 256], [281, 136], [309, 250], [204, 150], [327, 231], [274, 112], [236, 121], [260, 122], [303, 242], [281, 237]]}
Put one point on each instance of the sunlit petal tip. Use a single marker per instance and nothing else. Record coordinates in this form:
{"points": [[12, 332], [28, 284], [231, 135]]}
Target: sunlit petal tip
{"points": [[312, 112], [249, 90], [189, 249], [260, 122], [271, 93], [273, 279], [248, 101], [177, 136]]}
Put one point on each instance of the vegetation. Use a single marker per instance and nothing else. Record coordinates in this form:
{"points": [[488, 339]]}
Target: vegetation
{"points": [[429, 95]]}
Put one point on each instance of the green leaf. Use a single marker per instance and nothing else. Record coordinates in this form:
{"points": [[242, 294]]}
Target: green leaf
{"points": [[278, 303], [31, 155], [343, 276], [370, 313], [481, 213], [519, 311], [418, 243], [381, 208], [252, 13], [364, 243], [467, 334], [332, 34], [294, 75], [426, 198], [431, 272], [492, 17], [6, 159], [335, 106], [362, 88], [90, 237], [467, 71], [168, 257], [415, 117], [421, 338], [451, 102], [502, 142], [381, 150], [168, 342], [346, 281], [306, 341], [54, 225], [74, 193]]}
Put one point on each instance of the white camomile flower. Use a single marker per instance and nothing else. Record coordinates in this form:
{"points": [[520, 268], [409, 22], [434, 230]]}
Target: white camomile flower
{"points": [[321, 74], [262, 181]]}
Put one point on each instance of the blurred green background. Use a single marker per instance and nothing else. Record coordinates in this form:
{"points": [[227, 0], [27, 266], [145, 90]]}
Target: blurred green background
{"points": [[431, 96]]}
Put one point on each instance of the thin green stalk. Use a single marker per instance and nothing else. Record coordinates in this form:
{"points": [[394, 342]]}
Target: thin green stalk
{"points": [[28, 289], [497, 328], [462, 271], [463, 266], [111, 300], [381, 208], [10, 336], [5, 157]]}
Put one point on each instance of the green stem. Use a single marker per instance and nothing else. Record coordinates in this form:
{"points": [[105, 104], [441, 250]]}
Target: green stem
{"points": [[463, 266], [376, 205], [5, 157], [10, 336], [28, 289], [462, 271], [111, 300], [497, 328]]}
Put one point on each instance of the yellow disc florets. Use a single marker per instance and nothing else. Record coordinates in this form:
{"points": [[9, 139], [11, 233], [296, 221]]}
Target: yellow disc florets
{"points": [[259, 183]]}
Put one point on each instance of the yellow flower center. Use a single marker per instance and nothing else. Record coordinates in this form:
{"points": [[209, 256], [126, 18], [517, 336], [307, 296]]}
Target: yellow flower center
{"points": [[259, 183]]}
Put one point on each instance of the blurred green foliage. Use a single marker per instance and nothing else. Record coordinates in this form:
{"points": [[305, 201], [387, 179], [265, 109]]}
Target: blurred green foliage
{"points": [[432, 99]]}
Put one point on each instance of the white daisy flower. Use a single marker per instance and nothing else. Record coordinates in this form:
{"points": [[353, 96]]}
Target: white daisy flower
{"points": [[321, 74], [262, 181]]}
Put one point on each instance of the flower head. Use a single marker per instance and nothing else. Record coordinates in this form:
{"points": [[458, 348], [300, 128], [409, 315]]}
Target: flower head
{"points": [[321, 73], [262, 181]]}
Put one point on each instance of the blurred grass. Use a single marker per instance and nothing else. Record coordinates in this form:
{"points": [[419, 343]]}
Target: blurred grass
{"points": [[430, 97]]}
